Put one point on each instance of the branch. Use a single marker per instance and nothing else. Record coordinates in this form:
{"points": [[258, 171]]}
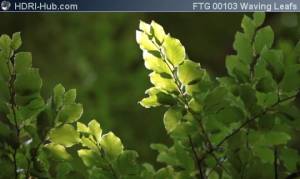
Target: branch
{"points": [[219, 163], [293, 175], [197, 160], [12, 101], [208, 142], [246, 123], [34, 154]]}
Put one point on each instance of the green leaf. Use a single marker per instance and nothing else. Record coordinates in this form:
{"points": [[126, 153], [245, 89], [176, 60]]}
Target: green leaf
{"points": [[82, 128], [5, 43], [274, 63], [58, 94], [23, 61], [65, 135], [162, 83], [99, 173], [165, 99], [95, 129], [184, 157], [32, 108], [242, 44], [28, 82], [111, 145], [145, 27], [259, 18], [4, 72], [289, 83], [70, 113], [21, 160], [127, 164], [174, 50], [16, 40], [147, 171], [195, 106], [290, 158], [248, 26], [149, 102], [276, 138], [172, 119], [214, 100], [157, 98], [154, 63], [266, 99], [237, 69], [248, 96], [8, 166], [63, 169], [267, 121], [158, 31], [189, 71], [89, 157], [159, 147], [264, 153], [264, 38], [168, 157], [165, 173], [144, 41], [229, 115], [266, 85], [70, 96], [90, 143], [58, 152]]}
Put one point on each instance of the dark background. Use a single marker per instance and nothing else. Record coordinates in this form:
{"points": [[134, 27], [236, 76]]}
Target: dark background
{"points": [[96, 53]]}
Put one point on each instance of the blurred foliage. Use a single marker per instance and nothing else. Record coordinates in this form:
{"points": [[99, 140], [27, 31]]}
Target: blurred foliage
{"points": [[97, 54]]}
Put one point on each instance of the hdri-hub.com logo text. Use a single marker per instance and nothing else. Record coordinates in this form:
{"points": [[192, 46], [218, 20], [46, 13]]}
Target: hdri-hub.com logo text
{"points": [[37, 6]]}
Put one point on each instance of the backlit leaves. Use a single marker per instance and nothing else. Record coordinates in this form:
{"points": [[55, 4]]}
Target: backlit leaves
{"points": [[111, 145], [229, 127], [65, 135], [174, 50], [172, 119], [239, 110], [189, 72]]}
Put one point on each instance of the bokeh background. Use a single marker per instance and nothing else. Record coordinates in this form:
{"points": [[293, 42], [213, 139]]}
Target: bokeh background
{"points": [[96, 53]]}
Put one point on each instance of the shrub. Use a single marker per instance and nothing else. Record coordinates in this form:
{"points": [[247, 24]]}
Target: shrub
{"points": [[238, 126]]}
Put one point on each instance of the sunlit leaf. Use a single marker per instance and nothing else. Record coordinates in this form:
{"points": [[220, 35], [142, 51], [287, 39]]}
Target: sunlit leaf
{"points": [[112, 145], [174, 50], [65, 135]]}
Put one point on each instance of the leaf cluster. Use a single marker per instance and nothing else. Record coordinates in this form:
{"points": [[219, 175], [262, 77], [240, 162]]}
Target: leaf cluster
{"points": [[228, 127]]}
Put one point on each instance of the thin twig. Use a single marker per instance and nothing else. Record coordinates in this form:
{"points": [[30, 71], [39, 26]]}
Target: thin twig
{"points": [[199, 165], [275, 163], [12, 92], [219, 163]]}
